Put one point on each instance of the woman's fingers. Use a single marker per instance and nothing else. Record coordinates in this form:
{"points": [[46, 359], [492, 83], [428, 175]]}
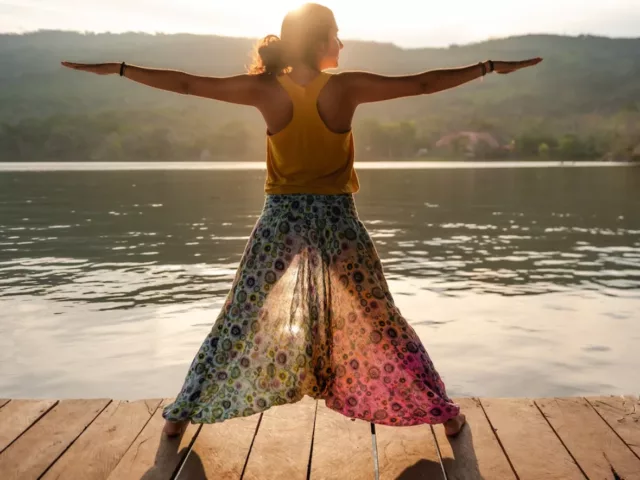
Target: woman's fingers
{"points": [[99, 68], [508, 67], [531, 62], [76, 66], [522, 63]]}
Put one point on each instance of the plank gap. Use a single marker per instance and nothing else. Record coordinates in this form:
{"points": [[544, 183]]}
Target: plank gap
{"points": [[473, 454], [444, 471], [407, 452], [616, 476], [535, 402], [374, 451], [313, 434], [341, 447], [183, 460], [611, 427], [139, 433], [152, 455], [53, 405], [74, 440], [285, 434], [151, 414], [255, 434], [495, 433]]}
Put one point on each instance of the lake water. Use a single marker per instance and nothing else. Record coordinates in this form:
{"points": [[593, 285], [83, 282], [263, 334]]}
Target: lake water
{"points": [[519, 281]]}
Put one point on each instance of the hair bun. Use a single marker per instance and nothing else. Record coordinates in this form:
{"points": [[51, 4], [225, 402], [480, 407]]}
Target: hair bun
{"points": [[269, 56], [271, 50]]}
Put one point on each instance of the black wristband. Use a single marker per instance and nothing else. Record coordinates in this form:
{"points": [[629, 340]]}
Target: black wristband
{"points": [[491, 66], [484, 69], [122, 67]]}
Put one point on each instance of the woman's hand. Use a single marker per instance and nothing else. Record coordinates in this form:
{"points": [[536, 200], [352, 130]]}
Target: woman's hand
{"points": [[97, 68], [508, 67]]}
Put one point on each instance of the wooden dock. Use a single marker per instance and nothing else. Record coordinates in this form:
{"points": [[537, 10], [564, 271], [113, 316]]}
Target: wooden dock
{"points": [[537, 439]]}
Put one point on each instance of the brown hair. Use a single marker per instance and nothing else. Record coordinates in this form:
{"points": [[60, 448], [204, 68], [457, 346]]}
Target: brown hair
{"points": [[302, 31]]}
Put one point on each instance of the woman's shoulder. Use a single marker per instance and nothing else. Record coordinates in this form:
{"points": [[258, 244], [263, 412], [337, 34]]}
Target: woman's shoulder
{"points": [[343, 79], [338, 82], [265, 84], [265, 79]]}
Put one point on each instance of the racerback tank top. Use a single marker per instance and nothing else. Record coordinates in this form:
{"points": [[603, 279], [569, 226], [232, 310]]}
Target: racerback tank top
{"points": [[305, 156]]}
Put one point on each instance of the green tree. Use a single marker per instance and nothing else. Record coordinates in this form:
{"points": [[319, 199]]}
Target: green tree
{"points": [[571, 147], [543, 150]]}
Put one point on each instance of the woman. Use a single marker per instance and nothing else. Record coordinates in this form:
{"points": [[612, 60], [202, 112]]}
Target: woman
{"points": [[309, 311]]}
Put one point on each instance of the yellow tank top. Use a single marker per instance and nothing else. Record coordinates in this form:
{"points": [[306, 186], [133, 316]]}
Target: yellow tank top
{"points": [[307, 157]]}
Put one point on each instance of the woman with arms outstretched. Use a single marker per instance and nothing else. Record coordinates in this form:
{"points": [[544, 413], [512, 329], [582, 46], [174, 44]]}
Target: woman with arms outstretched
{"points": [[309, 311]]}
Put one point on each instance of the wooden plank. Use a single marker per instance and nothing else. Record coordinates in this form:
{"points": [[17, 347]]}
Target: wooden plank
{"points": [[474, 454], [533, 448], [18, 416], [31, 454], [4, 401], [407, 452], [623, 415], [221, 450], [282, 446], [154, 456], [341, 448], [593, 444], [99, 449]]}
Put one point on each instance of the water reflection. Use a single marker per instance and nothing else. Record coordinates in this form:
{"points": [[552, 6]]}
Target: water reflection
{"points": [[94, 262]]}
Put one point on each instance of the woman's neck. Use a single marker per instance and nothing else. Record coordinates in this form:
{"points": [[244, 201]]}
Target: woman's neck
{"points": [[302, 73]]}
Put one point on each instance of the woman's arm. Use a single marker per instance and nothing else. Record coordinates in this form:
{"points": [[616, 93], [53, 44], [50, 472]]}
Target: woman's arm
{"points": [[363, 87], [240, 89]]}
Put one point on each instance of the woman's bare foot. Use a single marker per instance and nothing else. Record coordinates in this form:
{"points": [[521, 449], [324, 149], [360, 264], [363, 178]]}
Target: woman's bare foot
{"points": [[174, 429], [453, 426]]}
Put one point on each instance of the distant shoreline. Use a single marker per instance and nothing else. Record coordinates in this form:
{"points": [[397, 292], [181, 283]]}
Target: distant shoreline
{"points": [[247, 165]]}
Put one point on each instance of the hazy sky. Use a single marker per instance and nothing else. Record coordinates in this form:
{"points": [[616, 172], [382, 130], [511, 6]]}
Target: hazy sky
{"points": [[404, 22]]}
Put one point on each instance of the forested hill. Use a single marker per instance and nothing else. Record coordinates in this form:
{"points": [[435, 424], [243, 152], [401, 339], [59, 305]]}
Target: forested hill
{"points": [[586, 88]]}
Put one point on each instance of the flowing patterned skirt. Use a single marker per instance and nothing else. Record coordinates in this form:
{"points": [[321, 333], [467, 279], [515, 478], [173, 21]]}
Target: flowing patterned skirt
{"points": [[310, 313]]}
